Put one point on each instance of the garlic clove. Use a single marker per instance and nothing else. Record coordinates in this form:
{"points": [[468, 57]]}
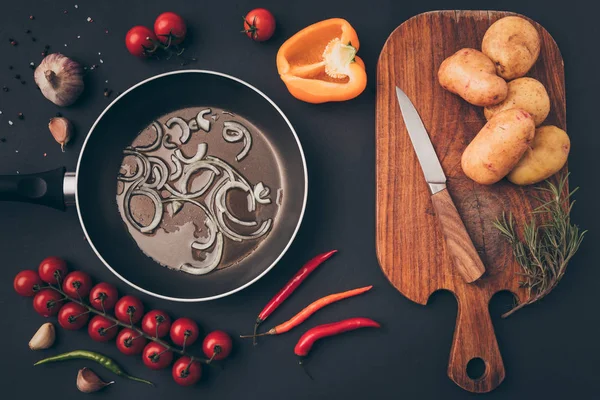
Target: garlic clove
{"points": [[43, 338], [89, 382], [62, 130], [60, 79]]}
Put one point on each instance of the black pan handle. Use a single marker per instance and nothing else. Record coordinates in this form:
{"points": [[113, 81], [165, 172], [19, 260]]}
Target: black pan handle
{"points": [[44, 188]]}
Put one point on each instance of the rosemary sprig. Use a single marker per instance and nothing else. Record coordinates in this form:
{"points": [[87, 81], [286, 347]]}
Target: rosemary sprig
{"points": [[549, 242]]}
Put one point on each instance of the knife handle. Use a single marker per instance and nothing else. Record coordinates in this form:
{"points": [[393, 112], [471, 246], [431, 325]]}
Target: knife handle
{"points": [[458, 242]]}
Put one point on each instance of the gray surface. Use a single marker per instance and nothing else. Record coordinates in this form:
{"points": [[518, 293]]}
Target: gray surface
{"points": [[550, 350]]}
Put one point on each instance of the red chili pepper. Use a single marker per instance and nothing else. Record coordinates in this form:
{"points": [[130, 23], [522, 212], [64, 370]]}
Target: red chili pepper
{"points": [[289, 288], [318, 332], [310, 310]]}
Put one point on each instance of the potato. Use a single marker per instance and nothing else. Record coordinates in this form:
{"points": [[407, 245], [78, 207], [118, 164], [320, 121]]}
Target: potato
{"points": [[498, 146], [547, 155], [527, 94], [513, 44], [471, 74]]}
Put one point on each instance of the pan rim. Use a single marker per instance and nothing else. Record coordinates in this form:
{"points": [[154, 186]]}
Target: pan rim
{"points": [[281, 254]]}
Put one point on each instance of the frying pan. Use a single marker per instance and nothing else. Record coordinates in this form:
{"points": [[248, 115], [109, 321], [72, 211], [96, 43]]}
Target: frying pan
{"points": [[93, 187]]}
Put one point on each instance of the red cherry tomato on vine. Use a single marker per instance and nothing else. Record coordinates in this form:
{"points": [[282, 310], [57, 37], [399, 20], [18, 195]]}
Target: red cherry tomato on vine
{"points": [[217, 345], [169, 23], [184, 330], [186, 372], [27, 283], [154, 319], [73, 316], [77, 284], [259, 24], [102, 329], [47, 302], [138, 40], [129, 307], [155, 356], [103, 292], [52, 267], [130, 342]]}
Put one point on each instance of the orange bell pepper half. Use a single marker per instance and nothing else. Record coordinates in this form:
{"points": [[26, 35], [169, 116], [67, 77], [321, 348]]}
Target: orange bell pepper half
{"points": [[319, 63]]}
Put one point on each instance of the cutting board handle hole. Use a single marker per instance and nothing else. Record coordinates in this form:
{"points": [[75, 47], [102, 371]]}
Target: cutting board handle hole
{"points": [[476, 368]]}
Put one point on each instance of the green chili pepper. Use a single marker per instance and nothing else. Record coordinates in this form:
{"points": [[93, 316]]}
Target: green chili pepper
{"points": [[106, 362]]}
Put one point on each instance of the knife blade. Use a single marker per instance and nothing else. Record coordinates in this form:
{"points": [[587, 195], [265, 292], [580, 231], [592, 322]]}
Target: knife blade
{"points": [[430, 164], [458, 242]]}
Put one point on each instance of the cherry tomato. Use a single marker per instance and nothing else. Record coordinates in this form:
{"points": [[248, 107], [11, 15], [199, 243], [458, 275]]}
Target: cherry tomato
{"points": [[138, 40], [27, 283], [129, 342], [259, 24], [155, 356], [102, 329], [217, 345], [47, 302], [170, 23], [77, 284], [103, 293], [73, 316], [184, 330], [129, 309], [52, 267], [187, 372], [156, 319]]}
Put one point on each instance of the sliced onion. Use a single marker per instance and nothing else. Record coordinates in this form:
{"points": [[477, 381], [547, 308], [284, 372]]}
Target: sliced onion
{"points": [[191, 169], [220, 209], [193, 124], [175, 207], [251, 202], [203, 124], [160, 178], [215, 238], [145, 167], [261, 192], [159, 135], [167, 144], [158, 207], [200, 153], [178, 169], [212, 235], [138, 173], [185, 129], [234, 132], [211, 261]]}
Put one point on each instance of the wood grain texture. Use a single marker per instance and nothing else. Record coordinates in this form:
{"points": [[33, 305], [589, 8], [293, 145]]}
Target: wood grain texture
{"points": [[458, 243], [410, 244]]}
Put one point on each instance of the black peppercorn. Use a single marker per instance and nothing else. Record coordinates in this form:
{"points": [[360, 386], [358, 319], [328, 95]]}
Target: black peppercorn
{"points": [[5, 89], [23, 82], [58, 115], [10, 67], [33, 39], [3, 140], [17, 76]]}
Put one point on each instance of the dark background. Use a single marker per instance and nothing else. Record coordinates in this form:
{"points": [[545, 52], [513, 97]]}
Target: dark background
{"points": [[550, 350]]}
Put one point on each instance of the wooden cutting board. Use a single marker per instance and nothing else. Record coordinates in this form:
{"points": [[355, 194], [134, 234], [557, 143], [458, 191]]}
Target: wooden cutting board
{"points": [[410, 245]]}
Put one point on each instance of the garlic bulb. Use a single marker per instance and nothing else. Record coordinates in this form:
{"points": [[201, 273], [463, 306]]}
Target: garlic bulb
{"points": [[60, 79], [43, 338], [61, 130], [89, 382]]}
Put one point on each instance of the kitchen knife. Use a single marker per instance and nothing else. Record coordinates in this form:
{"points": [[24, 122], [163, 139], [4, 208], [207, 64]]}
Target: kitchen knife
{"points": [[458, 243]]}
